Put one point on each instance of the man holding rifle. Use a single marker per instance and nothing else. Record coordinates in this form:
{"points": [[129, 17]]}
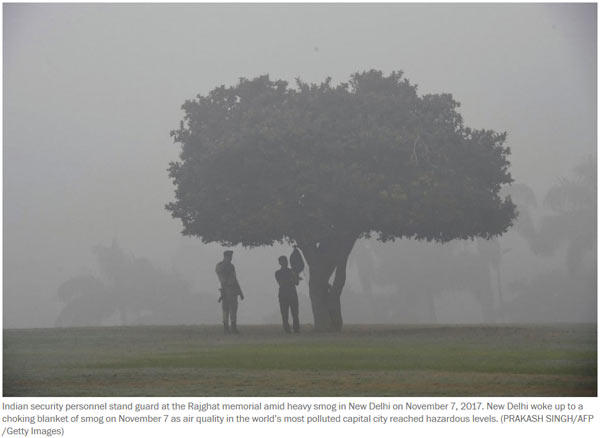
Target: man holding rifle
{"points": [[230, 289]]}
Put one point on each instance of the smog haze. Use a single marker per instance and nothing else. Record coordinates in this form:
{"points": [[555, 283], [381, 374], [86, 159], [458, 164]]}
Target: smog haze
{"points": [[92, 92]]}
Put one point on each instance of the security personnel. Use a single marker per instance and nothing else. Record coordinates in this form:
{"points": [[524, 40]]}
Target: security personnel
{"points": [[288, 296], [230, 289]]}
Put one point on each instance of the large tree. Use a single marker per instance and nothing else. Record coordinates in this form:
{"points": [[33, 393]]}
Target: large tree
{"points": [[320, 166]]}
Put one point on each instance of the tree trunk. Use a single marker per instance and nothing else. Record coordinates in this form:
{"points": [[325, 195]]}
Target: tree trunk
{"points": [[324, 260], [318, 288]]}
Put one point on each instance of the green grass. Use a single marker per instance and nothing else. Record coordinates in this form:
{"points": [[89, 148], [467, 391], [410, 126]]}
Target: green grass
{"points": [[558, 360]]}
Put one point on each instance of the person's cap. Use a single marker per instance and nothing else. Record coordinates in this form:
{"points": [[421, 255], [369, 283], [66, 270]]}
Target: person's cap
{"points": [[228, 252]]}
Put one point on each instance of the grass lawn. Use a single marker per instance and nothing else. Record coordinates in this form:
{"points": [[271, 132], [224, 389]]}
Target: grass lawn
{"points": [[367, 360]]}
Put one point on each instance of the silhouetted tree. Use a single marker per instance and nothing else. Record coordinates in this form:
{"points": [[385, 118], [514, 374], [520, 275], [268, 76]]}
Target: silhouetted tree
{"points": [[87, 302], [140, 292], [572, 220], [320, 166], [140, 288]]}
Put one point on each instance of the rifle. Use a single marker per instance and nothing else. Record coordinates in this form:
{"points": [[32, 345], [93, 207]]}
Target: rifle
{"points": [[222, 292]]}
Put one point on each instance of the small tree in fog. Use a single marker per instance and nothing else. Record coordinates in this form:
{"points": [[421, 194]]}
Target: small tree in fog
{"points": [[572, 221], [87, 302], [321, 166]]}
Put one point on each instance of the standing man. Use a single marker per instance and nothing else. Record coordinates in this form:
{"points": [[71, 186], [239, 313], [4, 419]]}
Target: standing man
{"points": [[288, 296], [230, 289]]}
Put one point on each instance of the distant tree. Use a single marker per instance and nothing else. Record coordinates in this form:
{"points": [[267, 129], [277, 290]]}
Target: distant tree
{"points": [[87, 302], [572, 221], [142, 292], [131, 286], [491, 252], [115, 267], [321, 166], [524, 198]]}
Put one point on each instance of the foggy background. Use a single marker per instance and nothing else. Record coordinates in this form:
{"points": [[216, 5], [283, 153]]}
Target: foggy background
{"points": [[91, 93]]}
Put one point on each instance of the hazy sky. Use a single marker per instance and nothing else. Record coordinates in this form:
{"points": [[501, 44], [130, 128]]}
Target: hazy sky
{"points": [[91, 93]]}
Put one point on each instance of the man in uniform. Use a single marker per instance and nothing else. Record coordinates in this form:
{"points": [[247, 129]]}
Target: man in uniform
{"points": [[288, 296], [230, 289]]}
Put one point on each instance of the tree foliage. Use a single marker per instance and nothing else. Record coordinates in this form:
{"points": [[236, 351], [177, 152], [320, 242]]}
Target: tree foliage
{"points": [[262, 162]]}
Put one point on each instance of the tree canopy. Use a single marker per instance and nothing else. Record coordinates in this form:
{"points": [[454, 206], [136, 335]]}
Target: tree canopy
{"points": [[263, 162]]}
